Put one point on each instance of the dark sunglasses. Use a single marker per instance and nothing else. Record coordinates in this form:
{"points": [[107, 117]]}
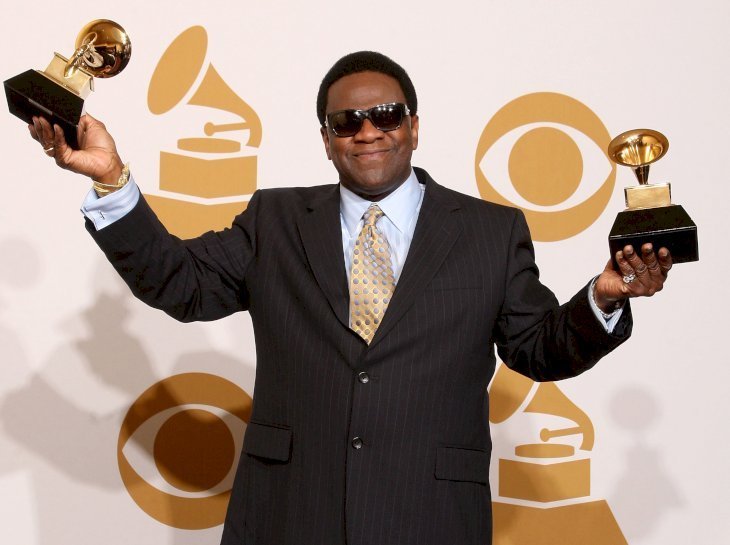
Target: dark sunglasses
{"points": [[384, 117]]}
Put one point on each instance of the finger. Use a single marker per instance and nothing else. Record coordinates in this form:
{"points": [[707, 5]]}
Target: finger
{"points": [[59, 140], [89, 122], [650, 260], [623, 264], [38, 130], [33, 132], [84, 123], [45, 136], [63, 152], [665, 260], [634, 260], [626, 270], [46, 131], [88, 119]]}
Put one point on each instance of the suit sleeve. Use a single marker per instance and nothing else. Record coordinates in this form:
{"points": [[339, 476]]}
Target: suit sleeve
{"points": [[199, 279], [538, 338]]}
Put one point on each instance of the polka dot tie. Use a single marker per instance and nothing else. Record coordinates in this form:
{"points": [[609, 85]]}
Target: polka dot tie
{"points": [[371, 277]]}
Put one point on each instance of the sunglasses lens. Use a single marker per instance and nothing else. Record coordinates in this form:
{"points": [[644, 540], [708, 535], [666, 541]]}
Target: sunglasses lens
{"points": [[346, 122], [387, 117]]}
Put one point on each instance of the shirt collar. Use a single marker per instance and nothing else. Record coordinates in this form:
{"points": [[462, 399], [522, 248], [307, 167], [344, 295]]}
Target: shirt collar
{"points": [[399, 206]]}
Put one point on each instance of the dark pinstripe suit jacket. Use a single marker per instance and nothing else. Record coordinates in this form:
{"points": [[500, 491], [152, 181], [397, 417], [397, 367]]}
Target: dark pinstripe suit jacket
{"points": [[420, 408]]}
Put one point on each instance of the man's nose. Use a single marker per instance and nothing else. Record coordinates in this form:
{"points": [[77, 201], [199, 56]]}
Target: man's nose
{"points": [[368, 132]]}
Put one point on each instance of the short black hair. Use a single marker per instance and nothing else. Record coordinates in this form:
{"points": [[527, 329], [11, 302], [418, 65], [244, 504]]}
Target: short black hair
{"points": [[365, 61]]}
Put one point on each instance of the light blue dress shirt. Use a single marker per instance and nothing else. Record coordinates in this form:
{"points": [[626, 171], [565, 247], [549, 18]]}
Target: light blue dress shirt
{"points": [[398, 224], [103, 211]]}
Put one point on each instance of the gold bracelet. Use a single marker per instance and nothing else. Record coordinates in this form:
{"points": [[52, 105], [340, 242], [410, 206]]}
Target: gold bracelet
{"points": [[104, 189]]}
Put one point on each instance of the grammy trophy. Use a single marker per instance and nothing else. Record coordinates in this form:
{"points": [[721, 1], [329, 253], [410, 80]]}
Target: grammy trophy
{"points": [[102, 50], [650, 215]]}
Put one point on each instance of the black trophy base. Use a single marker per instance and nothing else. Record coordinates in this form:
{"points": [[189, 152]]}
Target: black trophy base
{"points": [[34, 94], [666, 226]]}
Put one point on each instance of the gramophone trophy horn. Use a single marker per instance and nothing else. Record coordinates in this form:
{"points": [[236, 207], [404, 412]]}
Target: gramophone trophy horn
{"points": [[102, 50], [650, 215]]}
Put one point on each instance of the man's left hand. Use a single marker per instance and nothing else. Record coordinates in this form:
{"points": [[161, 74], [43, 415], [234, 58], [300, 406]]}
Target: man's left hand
{"points": [[639, 275]]}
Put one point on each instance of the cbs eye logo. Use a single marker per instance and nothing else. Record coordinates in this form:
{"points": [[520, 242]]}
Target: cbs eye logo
{"points": [[178, 448], [545, 154]]}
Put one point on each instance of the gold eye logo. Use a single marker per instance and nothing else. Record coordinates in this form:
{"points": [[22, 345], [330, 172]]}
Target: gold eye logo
{"points": [[546, 175], [178, 448]]}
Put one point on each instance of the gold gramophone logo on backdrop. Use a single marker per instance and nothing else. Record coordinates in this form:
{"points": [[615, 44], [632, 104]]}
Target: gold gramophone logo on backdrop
{"points": [[209, 175], [550, 150], [178, 448], [543, 489]]}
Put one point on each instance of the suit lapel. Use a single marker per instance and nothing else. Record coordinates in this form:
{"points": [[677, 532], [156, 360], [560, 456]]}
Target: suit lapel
{"points": [[436, 231], [321, 234]]}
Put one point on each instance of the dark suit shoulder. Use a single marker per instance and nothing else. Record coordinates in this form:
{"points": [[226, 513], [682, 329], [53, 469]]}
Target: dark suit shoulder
{"points": [[306, 196], [274, 204]]}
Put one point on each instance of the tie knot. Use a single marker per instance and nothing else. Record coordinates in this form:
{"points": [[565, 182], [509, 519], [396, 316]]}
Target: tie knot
{"points": [[372, 214]]}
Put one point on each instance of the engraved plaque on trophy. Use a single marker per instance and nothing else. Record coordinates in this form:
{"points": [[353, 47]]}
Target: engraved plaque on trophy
{"points": [[57, 93], [650, 215]]}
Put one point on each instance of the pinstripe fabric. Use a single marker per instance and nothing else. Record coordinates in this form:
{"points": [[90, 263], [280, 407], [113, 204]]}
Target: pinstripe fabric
{"points": [[420, 476]]}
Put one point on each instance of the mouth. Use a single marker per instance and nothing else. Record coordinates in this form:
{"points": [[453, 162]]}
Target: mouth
{"points": [[371, 154]]}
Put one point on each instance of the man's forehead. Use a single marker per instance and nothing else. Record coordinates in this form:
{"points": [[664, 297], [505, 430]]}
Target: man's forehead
{"points": [[363, 90]]}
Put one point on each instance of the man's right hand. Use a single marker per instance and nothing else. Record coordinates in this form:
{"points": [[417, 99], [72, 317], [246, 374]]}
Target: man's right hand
{"points": [[96, 157]]}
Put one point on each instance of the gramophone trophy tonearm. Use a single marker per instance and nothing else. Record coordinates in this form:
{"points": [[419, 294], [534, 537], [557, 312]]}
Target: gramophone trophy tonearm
{"points": [[650, 215], [102, 50]]}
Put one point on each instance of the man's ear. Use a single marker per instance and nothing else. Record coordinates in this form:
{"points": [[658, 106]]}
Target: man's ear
{"points": [[414, 130], [326, 139]]}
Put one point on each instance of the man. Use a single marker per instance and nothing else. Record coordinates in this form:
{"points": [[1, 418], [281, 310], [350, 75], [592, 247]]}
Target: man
{"points": [[376, 305]]}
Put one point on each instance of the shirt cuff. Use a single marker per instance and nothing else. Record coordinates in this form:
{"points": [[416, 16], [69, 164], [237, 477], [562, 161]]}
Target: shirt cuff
{"points": [[608, 321], [103, 211]]}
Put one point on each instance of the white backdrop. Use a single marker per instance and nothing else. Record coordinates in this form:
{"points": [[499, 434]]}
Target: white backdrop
{"points": [[76, 350]]}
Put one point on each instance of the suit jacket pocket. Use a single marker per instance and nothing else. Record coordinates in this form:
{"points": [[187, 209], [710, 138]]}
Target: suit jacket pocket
{"points": [[268, 441], [462, 464]]}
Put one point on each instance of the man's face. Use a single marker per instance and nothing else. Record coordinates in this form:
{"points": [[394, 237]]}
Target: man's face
{"points": [[372, 163]]}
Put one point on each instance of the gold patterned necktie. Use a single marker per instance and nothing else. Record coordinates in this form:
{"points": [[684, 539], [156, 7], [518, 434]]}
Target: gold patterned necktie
{"points": [[371, 277]]}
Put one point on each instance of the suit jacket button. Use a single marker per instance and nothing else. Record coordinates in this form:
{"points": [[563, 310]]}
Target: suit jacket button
{"points": [[357, 443], [363, 377]]}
